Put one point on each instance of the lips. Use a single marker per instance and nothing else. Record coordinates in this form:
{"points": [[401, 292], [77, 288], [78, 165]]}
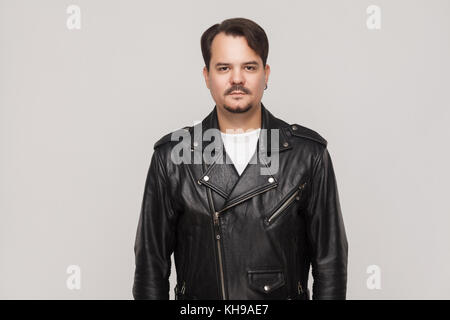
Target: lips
{"points": [[236, 93]]}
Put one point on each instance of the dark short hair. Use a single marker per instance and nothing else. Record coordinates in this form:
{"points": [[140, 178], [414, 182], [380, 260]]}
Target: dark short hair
{"points": [[255, 35]]}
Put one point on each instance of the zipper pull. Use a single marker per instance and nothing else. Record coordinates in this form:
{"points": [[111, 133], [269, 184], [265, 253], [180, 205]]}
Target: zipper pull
{"points": [[183, 287], [300, 188], [300, 289], [216, 219], [216, 225]]}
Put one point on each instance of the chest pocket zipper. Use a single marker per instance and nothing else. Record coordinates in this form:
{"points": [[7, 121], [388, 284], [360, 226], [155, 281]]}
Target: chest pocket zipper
{"points": [[286, 204]]}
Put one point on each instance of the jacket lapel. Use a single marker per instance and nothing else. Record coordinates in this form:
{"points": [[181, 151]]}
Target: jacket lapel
{"points": [[219, 174]]}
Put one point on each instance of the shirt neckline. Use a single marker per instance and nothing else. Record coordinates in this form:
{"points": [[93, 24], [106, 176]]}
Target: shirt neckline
{"points": [[247, 133]]}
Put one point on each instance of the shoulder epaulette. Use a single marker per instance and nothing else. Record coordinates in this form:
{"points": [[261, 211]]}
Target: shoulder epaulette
{"points": [[304, 132], [166, 138]]}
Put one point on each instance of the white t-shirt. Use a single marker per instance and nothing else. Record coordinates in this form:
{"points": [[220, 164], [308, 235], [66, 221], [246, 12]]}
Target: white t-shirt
{"points": [[240, 147]]}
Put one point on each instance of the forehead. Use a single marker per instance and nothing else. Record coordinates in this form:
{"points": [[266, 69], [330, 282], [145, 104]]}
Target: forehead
{"points": [[228, 48]]}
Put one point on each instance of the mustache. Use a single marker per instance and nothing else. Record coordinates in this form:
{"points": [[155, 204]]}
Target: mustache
{"points": [[237, 87]]}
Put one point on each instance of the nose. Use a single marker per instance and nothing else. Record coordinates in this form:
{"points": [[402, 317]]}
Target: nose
{"points": [[237, 77]]}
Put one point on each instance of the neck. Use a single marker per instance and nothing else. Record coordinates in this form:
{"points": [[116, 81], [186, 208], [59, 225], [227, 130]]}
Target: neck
{"points": [[249, 120]]}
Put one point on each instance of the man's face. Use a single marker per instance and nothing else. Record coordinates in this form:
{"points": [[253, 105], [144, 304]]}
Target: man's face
{"points": [[235, 67]]}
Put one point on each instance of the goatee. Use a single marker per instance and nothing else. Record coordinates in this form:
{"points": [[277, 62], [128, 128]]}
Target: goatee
{"points": [[238, 110]]}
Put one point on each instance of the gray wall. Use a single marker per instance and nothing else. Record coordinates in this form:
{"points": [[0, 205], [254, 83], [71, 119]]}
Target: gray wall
{"points": [[80, 110]]}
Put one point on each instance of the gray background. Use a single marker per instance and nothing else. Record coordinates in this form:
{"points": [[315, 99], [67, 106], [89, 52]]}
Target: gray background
{"points": [[81, 109]]}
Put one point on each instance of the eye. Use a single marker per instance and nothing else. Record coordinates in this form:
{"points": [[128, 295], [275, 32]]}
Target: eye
{"points": [[222, 68], [251, 68]]}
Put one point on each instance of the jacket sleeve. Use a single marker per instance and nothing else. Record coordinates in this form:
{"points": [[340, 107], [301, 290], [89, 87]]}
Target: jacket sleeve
{"points": [[326, 233], [155, 236]]}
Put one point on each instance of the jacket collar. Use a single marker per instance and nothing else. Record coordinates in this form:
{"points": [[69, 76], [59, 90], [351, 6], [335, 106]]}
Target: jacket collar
{"points": [[268, 122], [222, 177]]}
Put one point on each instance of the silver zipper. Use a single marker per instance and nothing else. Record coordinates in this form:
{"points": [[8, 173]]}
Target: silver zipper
{"points": [[219, 252], [293, 197], [248, 197]]}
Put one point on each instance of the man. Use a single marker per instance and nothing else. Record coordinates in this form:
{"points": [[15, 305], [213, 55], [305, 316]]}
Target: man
{"points": [[247, 219]]}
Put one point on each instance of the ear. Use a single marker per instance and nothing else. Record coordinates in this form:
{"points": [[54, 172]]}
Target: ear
{"points": [[206, 75], [267, 73]]}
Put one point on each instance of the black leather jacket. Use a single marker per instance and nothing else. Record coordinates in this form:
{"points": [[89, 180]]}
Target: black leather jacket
{"points": [[252, 236]]}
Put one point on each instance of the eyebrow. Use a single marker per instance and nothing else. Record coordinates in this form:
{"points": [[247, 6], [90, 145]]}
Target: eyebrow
{"points": [[227, 64]]}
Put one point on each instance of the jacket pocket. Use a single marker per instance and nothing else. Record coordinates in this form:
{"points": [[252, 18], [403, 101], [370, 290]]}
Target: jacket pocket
{"points": [[266, 281], [295, 196]]}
